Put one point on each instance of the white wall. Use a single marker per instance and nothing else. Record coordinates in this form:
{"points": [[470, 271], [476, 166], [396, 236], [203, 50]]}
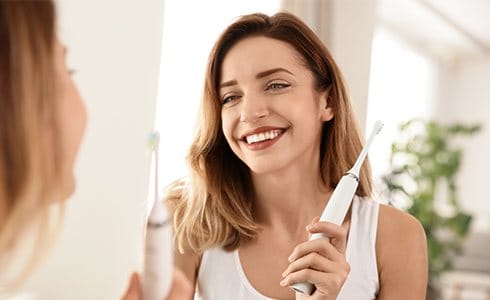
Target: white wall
{"points": [[346, 27], [464, 96], [350, 41], [115, 47]]}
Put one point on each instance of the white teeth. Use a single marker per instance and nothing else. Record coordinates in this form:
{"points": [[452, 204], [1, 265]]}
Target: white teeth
{"points": [[263, 136]]}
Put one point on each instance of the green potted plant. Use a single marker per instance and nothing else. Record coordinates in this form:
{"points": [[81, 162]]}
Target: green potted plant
{"points": [[425, 161]]}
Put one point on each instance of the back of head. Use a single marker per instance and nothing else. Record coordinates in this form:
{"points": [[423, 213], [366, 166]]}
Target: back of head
{"points": [[29, 130]]}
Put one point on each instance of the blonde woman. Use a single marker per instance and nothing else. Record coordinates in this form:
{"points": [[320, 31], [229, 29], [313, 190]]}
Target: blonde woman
{"points": [[276, 134], [42, 120]]}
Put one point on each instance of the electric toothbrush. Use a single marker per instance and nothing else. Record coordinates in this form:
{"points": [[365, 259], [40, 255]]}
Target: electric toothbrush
{"points": [[340, 201], [158, 262]]}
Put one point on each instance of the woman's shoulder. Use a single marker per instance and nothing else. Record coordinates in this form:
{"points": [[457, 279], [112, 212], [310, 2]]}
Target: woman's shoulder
{"points": [[400, 243], [397, 228], [392, 221], [188, 262]]}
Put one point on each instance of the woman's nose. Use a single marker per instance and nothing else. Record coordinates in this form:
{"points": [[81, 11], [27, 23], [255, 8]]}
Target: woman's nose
{"points": [[253, 109]]}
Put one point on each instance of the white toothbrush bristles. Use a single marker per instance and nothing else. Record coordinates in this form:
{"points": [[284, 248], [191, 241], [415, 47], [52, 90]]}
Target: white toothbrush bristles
{"points": [[153, 140], [357, 166], [153, 144]]}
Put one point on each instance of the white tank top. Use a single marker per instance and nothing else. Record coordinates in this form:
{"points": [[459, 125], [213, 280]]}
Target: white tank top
{"points": [[221, 275]]}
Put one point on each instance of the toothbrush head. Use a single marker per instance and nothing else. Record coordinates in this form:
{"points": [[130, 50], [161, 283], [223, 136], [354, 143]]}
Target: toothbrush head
{"points": [[153, 140], [377, 126]]}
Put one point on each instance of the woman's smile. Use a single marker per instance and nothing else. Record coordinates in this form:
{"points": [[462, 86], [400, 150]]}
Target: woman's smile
{"points": [[262, 137]]}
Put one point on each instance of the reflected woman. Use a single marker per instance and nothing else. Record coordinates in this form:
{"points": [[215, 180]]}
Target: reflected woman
{"points": [[276, 134]]}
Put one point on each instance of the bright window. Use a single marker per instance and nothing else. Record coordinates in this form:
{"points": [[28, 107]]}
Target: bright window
{"points": [[401, 87]]}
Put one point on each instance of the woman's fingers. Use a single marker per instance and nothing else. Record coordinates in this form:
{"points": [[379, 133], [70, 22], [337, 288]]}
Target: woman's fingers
{"points": [[182, 288], [133, 291], [321, 246], [320, 261], [315, 220], [335, 233], [325, 283], [312, 261]]}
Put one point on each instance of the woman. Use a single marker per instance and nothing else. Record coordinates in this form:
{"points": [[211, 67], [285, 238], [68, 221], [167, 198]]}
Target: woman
{"points": [[42, 120], [277, 133]]}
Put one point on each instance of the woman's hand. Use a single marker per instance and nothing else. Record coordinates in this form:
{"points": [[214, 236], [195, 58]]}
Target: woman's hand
{"points": [[321, 262], [181, 288], [133, 291]]}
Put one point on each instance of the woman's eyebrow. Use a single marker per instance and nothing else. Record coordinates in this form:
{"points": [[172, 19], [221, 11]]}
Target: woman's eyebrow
{"points": [[271, 71], [228, 83], [258, 76]]}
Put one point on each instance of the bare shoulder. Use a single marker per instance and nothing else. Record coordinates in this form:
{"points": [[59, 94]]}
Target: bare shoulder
{"points": [[398, 233], [401, 252], [394, 224], [188, 262]]}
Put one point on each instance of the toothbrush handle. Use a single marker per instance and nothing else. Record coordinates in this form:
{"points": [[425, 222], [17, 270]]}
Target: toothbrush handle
{"points": [[157, 273], [306, 287], [335, 212], [340, 201]]}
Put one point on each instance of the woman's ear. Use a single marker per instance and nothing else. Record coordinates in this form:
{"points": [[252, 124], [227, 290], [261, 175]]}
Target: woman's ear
{"points": [[326, 112]]}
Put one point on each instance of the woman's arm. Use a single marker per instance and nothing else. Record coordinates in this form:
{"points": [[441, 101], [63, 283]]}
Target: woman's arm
{"points": [[401, 252], [183, 280]]}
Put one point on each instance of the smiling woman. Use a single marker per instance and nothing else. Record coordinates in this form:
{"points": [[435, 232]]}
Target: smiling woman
{"points": [[276, 134], [267, 104]]}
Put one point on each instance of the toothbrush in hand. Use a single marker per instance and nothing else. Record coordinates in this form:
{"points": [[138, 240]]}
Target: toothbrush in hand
{"points": [[158, 264], [340, 201]]}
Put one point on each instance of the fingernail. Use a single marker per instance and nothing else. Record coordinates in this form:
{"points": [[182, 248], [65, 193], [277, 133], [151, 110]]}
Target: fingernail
{"points": [[283, 283], [290, 258], [312, 226], [284, 273]]}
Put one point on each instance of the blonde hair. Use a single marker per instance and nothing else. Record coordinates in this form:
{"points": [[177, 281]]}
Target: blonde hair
{"points": [[30, 146], [214, 208]]}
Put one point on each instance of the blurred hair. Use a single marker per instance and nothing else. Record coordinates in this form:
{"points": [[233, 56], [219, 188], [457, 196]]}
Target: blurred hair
{"points": [[214, 208], [30, 146]]}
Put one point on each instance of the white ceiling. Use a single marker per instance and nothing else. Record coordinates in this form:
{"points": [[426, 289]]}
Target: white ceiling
{"points": [[450, 29]]}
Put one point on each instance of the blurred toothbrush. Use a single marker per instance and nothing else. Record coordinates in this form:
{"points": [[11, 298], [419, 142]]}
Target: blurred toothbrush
{"points": [[158, 262]]}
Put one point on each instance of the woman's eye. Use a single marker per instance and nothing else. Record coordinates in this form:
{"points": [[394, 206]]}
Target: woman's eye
{"points": [[229, 99], [277, 86]]}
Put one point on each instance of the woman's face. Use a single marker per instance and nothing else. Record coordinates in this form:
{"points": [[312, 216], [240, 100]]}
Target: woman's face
{"points": [[272, 115], [73, 121]]}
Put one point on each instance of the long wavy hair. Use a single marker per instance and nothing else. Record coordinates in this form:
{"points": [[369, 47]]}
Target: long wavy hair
{"points": [[30, 146], [214, 206]]}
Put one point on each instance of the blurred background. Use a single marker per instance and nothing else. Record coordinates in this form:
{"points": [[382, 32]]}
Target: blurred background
{"points": [[140, 66]]}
